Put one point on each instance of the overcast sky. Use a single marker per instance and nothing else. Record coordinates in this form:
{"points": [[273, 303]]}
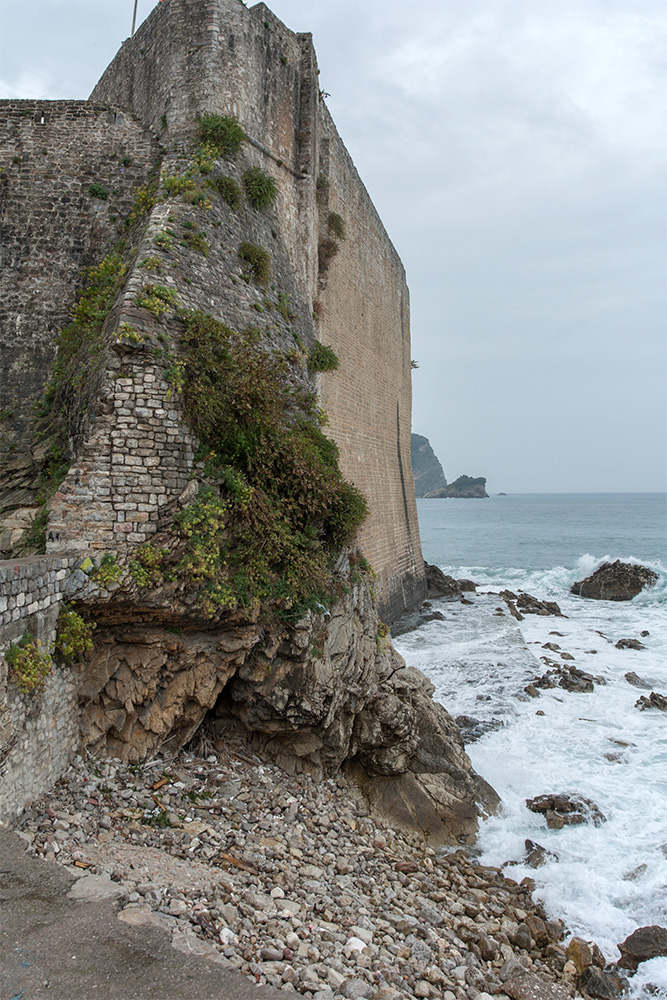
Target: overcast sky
{"points": [[515, 150]]}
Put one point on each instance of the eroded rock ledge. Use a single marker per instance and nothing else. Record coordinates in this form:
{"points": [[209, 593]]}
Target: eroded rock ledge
{"points": [[328, 693]]}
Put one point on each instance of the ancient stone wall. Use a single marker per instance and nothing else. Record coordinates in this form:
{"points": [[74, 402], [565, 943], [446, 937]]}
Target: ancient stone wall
{"points": [[365, 309], [196, 56], [52, 228], [217, 56]]}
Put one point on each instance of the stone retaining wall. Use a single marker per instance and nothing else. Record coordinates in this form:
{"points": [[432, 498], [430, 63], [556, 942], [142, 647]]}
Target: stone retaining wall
{"points": [[39, 731]]}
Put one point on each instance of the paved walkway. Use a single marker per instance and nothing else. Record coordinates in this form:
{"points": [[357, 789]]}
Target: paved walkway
{"points": [[51, 946]]}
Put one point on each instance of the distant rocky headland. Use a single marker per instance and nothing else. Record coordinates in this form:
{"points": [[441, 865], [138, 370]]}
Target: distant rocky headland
{"points": [[430, 481]]}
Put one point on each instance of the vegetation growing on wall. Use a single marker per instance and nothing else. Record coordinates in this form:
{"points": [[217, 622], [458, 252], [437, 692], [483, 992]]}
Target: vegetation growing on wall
{"points": [[97, 190], [260, 188], [327, 250], [258, 260], [28, 665], [73, 635], [223, 132], [336, 225], [228, 189], [322, 358], [274, 510]]}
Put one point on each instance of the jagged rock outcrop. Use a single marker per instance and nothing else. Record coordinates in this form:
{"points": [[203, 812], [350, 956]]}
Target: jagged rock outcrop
{"points": [[326, 693], [617, 581], [642, 945], [441, 585], [465, 487], [426, 467]]}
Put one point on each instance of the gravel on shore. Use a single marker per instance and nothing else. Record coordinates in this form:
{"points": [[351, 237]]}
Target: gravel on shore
{"points": [[291, 882]]}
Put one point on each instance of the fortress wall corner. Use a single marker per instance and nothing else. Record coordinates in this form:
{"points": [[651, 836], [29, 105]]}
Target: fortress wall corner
{"points": [[366, 319]]}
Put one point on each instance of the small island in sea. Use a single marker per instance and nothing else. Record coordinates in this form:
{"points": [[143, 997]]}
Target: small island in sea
{"points": [[430, 481]]}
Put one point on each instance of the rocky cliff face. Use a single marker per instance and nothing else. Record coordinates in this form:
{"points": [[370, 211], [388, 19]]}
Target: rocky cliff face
{"points": [[426, 467], [329, 692], [464, 487]]}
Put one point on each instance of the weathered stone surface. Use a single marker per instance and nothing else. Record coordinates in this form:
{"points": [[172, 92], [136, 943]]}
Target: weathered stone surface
{"points": [[654, 700], [97, 889], [312, 698], [630, 644], [566, 810], [536, 855], [617, 581], [441, 585], [643, 944], [530, 605], [636, 681], [601, 985], [426, 468], [527, 986], [579, 952]]}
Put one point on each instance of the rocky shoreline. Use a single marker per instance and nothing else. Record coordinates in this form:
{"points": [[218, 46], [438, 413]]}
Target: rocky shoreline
{"points": [[290, 881]]}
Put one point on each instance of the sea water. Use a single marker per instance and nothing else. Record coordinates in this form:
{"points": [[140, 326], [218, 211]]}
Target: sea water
{"points": [[606, 880]]}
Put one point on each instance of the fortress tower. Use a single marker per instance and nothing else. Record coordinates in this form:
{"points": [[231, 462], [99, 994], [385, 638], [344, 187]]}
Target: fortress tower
{"points": [[191, 57]]}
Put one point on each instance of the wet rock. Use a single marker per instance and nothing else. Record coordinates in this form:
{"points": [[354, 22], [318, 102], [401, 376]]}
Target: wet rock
{"points": [[530, 605], [569, 678], [643, 944], [441, 585], [579, 952], [566, 810], [635, 874], [601, 985], [630, 644], [510, 600], [415, 620], [536, 855], [654, 700], [615, 581], [473, 729], [636, 681]]}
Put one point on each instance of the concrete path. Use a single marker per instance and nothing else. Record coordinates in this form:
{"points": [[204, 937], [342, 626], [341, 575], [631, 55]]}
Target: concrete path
{"points": [[51, 946]]}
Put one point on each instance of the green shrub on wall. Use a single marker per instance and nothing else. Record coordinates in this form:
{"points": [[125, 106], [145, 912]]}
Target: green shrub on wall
{"points": [[260, 188], [259, 261], [223, 132], [322, 358], [97, 190], [228, 189], [336, 225], [28, 665], [275, 509], [73, 635]]}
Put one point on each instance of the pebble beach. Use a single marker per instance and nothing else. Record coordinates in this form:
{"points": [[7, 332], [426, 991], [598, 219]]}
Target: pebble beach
{"points": [[292, 883]]}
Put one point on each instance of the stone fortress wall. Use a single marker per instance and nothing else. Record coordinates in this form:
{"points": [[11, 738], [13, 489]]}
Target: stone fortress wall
{"points": [[229, 59], [52, 229], [189, 57]]}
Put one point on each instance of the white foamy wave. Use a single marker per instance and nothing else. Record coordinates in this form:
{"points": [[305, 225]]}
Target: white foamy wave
{"points": [[610, 879], [548, 584]]}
